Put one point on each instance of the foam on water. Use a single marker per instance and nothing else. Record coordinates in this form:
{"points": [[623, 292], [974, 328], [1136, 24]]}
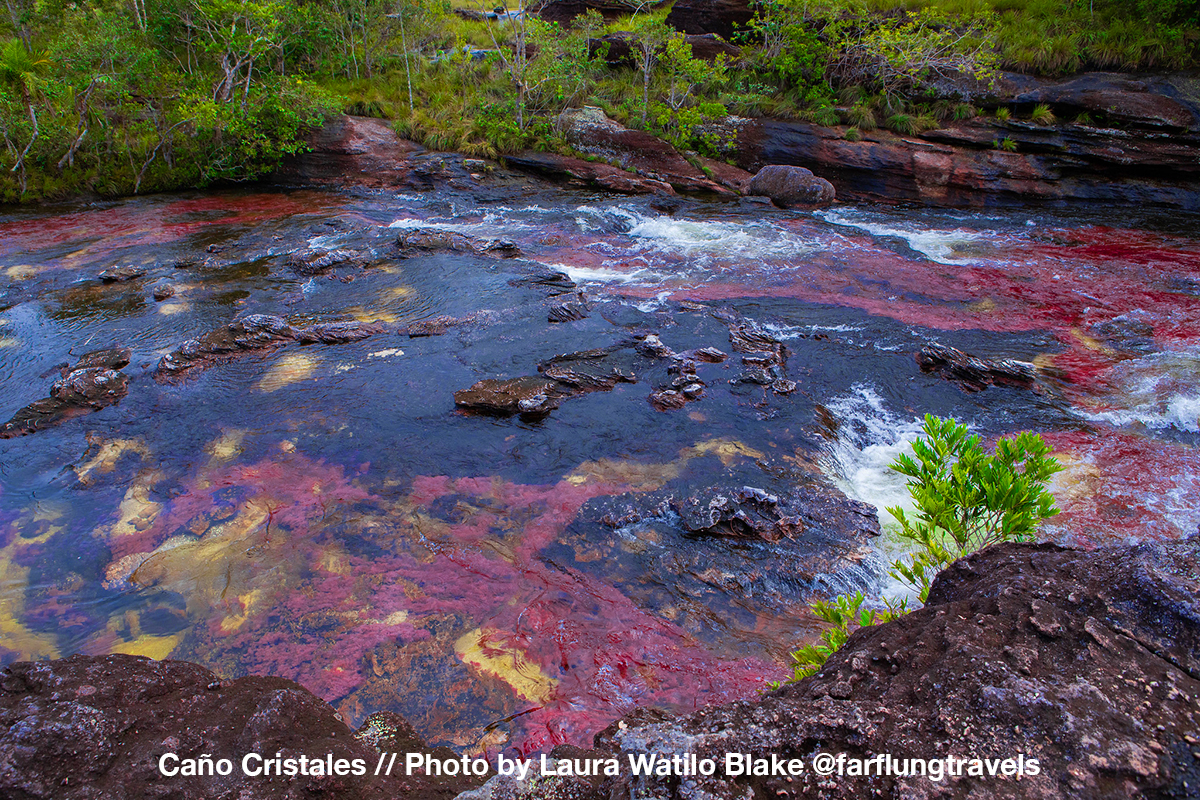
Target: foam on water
{"points": [[710, 238], [943, 246], [1159, 391], [601, 275]]}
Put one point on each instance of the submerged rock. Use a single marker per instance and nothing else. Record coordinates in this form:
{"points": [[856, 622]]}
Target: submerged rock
{"points": [[791, 186], [96, 726], [122, 274], [316, 261], [561, 377], [570, 311], [436, 239], [525, 395], [92, 384], [975, 374]]}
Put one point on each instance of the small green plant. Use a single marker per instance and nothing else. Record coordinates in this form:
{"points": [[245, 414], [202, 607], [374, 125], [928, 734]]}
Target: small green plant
{"points": [[965, 499], [852, 134], [825, 116], [862, 117], [1006, 144], [903, 124], [1084, 119], [1003, 114], [1042, 115], [964, 111]]}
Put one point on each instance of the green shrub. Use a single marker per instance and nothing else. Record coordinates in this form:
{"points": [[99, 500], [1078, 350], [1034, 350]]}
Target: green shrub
{"points": [[862, 117], [964, 111], [1003, 114], [1042, 115], [1006, 144], [852, 134], [965, 500], [903, 124]]}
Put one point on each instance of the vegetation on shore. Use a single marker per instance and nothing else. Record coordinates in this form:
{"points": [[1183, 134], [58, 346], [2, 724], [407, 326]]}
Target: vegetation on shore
{"points": [[965, 499], [127, 96]]}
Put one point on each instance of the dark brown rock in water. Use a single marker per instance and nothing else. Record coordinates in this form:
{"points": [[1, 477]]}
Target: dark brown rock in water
{"points": [[789, 186], [122, 274], [336, 332], [653, 347], [434, 326], [92, 384], [1088, 661], [249, 333], [315, 262], [96, 727], [667, 400], [164, 291], [586, 371], [570, 311], [976, 374], [709, 354], [552, 282], [765, 358], [110, 358], [433, 239], [528, 395]]}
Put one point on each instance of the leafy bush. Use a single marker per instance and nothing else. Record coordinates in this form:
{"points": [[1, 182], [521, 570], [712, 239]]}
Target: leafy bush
{"points": [[965, 499], [852, 134], [1003, 114], [1006, 144]]}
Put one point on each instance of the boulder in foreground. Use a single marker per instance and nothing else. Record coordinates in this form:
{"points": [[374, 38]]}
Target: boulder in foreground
{"points": [[791, 186]]}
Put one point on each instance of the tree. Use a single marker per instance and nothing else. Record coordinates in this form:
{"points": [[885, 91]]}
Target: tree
{"points": [[651, 34], [237, 34]]}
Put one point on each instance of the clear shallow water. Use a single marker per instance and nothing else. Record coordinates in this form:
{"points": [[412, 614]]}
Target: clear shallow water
{"points": [[325, 513]]}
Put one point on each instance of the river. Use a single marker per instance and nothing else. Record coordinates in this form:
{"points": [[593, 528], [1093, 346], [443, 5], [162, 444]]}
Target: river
{"points": [[326, 513]]}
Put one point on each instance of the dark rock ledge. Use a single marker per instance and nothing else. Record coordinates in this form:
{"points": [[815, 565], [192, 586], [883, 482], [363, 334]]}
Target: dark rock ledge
{"points": [[1087, 661]]}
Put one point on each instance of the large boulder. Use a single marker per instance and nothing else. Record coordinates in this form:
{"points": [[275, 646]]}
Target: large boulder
{"points": [[97, 726], [789, 186], [591, 132]]}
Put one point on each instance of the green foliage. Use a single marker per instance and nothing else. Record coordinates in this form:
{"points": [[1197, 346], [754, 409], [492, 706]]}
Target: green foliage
{"points": [[852, 134], [1003, 114], [965, 499], [1042, 115], [1006, 144]]}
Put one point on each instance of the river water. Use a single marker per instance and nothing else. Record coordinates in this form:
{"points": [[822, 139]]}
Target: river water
{"points": [[325, 513]]}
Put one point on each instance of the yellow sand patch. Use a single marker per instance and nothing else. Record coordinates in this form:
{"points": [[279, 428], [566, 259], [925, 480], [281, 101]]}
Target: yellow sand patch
{"points": [[248, 602], [391, 351], [156, 647], [226, 446], [487, 652], [368, 316], [397, 292], [171, 309], [137, 511], [290, 369], [8, 341], [106, 457], [22, 272], [336, 560], [15, 638], [641, 476], [1091, 343]]}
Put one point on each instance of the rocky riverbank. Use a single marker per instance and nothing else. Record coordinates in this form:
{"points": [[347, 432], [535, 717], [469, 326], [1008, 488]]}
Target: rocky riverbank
{"points": [[1116, 139], [1087, 662]]}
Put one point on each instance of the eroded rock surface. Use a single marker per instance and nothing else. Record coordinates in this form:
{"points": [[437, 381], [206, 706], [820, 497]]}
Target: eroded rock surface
{"points": [[975, 374], [1087, 661], [95, 382], [95, 727], [789, 186], [253, 332]]}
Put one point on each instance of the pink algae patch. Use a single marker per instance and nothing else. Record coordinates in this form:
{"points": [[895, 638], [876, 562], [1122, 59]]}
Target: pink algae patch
{"points": [[1121, 487]]}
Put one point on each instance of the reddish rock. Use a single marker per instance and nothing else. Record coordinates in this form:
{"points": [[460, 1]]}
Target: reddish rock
{"points": [[589, 131], [959, 164], [96, 727], [528, 395], [789, 186], [588, 173], [352, 151]]}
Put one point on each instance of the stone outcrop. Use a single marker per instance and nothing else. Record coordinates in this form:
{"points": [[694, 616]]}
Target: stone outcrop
{"points": [[95, 726], [426, 240], [1088, 662], [961, 164], [588, 173], [975, 374], [351, 150], [252, 333], [560, 377], [589, 131], [789, 186], [95, 382]]}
